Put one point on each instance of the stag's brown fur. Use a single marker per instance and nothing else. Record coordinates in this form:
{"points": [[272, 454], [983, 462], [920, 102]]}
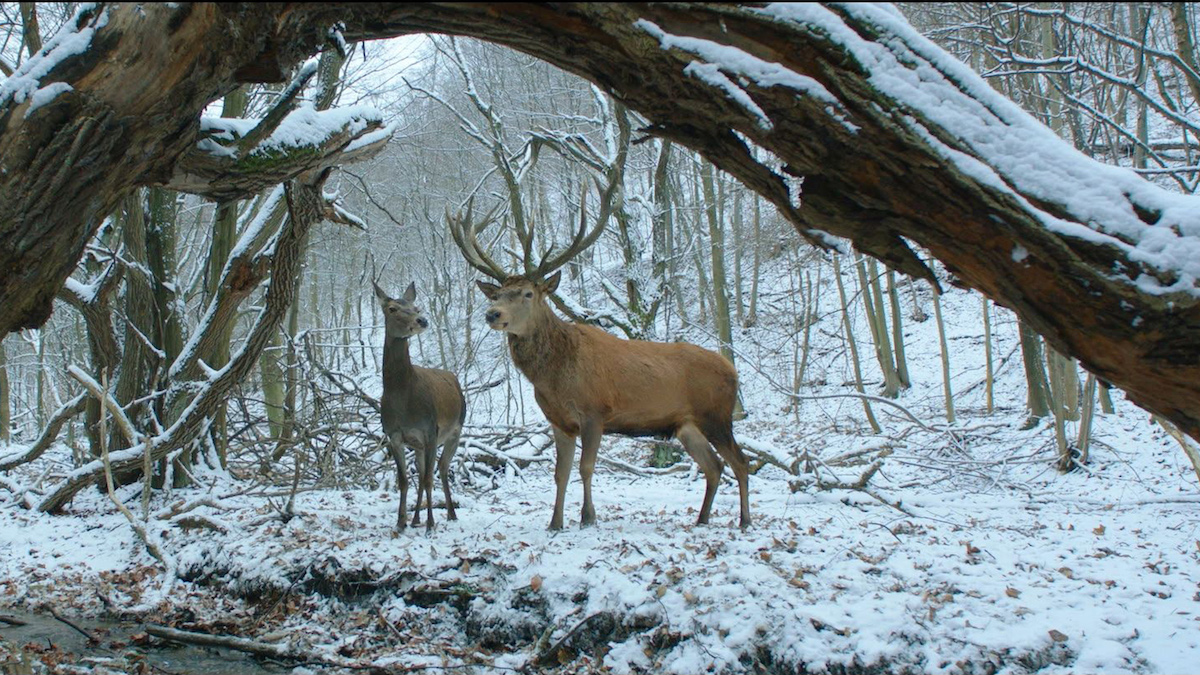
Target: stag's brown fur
{"points": [[589, 382]]}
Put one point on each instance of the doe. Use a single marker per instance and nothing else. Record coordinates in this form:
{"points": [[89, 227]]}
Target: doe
{"points": [[422, 408]]}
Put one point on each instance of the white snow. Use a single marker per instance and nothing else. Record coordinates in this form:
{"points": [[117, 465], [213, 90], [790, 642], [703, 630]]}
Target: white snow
{"points": [[68, 42], [720, 58], [304, 126], [45, 95]]}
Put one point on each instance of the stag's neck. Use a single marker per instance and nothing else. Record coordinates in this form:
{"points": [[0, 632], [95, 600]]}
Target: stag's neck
{"points": [[544, 351], [398, 370]]}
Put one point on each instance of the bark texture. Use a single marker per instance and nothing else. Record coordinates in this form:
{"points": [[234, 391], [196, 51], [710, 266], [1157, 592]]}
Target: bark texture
{"points": [[131, 118]]}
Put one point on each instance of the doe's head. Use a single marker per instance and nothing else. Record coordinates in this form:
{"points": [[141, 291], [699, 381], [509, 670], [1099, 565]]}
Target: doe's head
{"points": [[516, 302], [401, 317]]}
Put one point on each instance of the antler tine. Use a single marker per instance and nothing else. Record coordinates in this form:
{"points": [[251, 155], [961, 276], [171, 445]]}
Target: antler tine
{"points": [[462, 230], [582, 239]]}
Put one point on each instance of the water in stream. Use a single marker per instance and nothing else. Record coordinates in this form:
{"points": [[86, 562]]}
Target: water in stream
{"points": [[46, 639]]}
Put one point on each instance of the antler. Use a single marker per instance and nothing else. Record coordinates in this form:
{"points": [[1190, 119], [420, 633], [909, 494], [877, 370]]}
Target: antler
{"points": [[583, 238], [463, 230]]}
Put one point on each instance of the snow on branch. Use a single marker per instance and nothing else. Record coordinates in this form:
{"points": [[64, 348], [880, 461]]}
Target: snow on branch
{"points": [[231, 162], [992, 140]]}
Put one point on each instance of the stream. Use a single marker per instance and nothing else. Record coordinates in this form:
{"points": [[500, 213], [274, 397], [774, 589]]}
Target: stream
{"points": [[46, 639]]}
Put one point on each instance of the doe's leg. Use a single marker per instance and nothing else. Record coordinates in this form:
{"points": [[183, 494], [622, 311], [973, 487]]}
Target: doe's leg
{"points": [[448, 451], [427, 483], [396, 448]]}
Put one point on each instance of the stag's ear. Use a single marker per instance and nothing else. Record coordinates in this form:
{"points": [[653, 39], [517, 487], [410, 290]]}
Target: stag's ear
{"points": [[410, 293], [383, 297], [550, 285], [490, 290]]}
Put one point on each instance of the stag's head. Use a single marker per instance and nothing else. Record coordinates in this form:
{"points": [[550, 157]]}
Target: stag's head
{"points": [[516, 302], [401, 317]]}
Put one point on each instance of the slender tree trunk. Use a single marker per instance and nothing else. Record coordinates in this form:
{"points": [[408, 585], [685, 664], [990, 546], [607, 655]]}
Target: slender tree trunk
{"points": [[898, 331], [752, 313], [224, 235], [1037, 390], [949, 395], [1085, 422], [738, 299], [1106, 403], [1056, 367], [873, 306], [5, 410], [138, 362], [716, 235], [988, 379], [850, 344], [30, 29]]}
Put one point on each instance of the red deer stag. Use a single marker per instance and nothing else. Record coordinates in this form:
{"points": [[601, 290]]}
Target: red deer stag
{"points": [[422, 408], [588, 382]]}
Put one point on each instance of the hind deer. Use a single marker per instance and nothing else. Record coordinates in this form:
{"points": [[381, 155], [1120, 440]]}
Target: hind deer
{"points": [[422, 408]]}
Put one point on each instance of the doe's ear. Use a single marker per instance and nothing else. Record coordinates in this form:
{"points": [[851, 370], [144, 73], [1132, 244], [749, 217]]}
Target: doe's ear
{"points": [[490, 290], [550, 285], [383, 297], [410, 293]]}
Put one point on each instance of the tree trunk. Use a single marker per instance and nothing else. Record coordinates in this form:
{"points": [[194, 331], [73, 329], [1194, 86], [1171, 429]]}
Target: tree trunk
{"points": [[897, 331], [949, 395], [988, 379], [752, 313], [716, 240], [139, 362], [850, 344], [873, 160], [873, 306], [5, 410], [1037, 391]]}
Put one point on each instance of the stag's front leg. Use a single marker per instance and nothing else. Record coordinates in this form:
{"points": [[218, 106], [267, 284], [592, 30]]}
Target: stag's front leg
{"points": [[564, 453], [396, 448], [590, 439]]}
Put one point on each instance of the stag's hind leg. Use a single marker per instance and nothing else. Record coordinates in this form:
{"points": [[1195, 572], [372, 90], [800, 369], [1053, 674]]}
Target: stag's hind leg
{"points": [[564, 453], [396, 448], [589, 438], [722, 440], [697, 446], [448, 450]]}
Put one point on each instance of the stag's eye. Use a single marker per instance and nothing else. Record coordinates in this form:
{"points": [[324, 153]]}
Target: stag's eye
{"points": [[529, 294]]}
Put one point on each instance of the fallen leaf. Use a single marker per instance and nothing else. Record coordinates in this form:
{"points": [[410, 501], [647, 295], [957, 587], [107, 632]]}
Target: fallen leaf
{"points": [[1012, 592], [536, 583], [1057, 636], [1099, 530]]}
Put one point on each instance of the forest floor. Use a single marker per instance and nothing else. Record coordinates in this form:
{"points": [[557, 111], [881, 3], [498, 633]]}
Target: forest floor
{"points": [[1010, 567], [964, 552]]}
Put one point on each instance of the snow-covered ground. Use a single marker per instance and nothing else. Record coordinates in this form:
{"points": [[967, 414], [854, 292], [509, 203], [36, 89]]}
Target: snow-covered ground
{"points": [[965, 552]]}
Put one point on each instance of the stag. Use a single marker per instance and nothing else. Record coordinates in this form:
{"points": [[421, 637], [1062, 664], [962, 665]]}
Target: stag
{"points": [[588, 382], [422, 408]]}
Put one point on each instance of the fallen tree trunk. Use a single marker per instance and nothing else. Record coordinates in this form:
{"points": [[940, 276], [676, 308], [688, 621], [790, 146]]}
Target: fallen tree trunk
{"points": [[894, 142]]}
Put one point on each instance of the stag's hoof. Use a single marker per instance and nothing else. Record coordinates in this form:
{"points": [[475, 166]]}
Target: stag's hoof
{"points": [[451, 515]]}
